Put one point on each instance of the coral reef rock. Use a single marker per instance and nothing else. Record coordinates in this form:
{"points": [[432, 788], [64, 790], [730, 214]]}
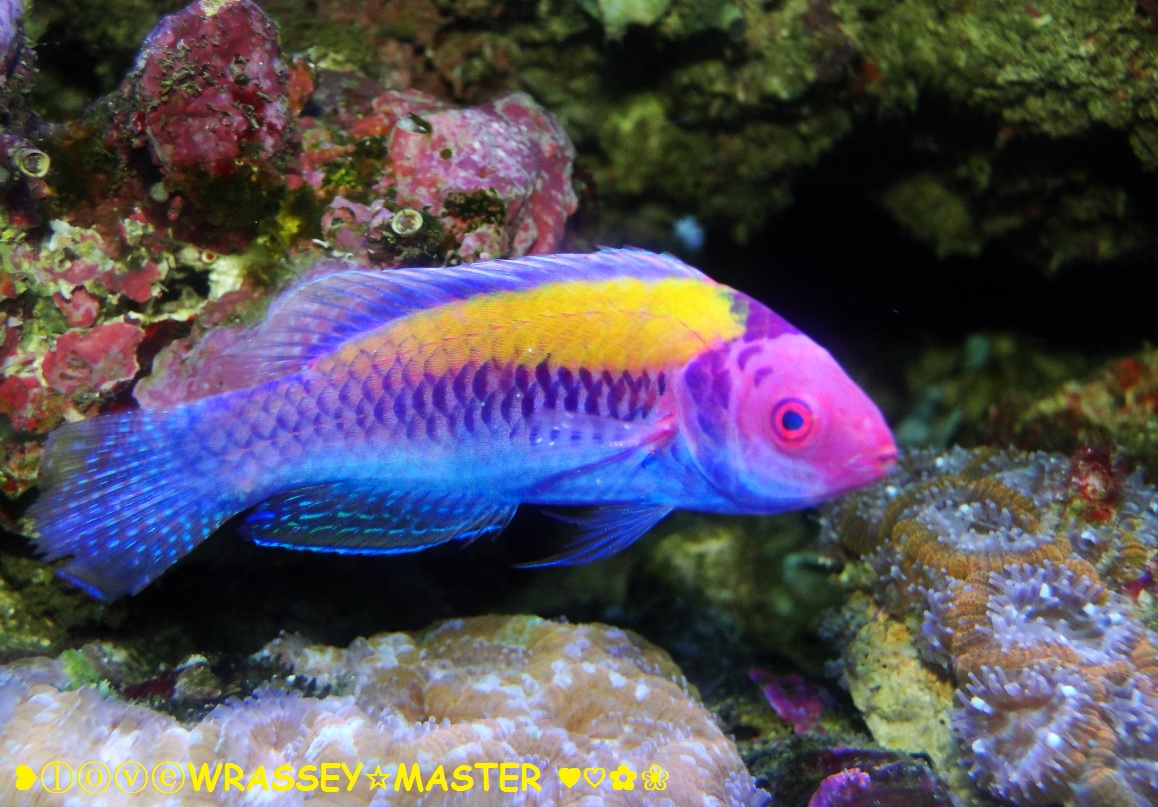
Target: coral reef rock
{"points": [[754, 580], [1116, 407], [494, 180], [208, 97], [874, 778], [133, 236], [1027, 577], [464, 693], [719, 109]]}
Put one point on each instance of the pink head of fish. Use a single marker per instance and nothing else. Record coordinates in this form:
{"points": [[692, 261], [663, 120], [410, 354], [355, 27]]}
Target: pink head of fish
{"points": [[775, 423]]}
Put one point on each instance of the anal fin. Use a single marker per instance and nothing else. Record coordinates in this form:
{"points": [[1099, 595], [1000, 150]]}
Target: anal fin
{"points": [[358, 518]]}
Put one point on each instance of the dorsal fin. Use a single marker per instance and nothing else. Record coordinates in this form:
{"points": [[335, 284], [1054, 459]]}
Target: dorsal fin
{"points": [[317, 316]]}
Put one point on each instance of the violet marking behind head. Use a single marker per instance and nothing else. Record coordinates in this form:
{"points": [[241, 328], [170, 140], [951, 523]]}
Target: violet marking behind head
{"points": [[775, 423]]}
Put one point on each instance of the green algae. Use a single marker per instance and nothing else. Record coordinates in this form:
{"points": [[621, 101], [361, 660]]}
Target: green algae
{"points": [[479, 207], [79, 669], [38, 613], [520, 630], [616, 15], [756, 579], [718, 108], [1059, 69]]}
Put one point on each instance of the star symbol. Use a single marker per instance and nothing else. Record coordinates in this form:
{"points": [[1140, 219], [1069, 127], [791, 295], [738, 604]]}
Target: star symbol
{"points": [[377, 778]]}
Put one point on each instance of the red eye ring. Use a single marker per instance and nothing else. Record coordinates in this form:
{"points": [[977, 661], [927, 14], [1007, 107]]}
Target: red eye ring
{"points": [[792, 421]]}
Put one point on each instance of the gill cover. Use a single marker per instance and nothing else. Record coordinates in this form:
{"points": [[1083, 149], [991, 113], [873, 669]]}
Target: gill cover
{"points": [[775, 424]]}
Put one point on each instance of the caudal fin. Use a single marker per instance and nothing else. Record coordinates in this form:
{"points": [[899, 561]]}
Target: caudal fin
{"points": [[117, 496]]}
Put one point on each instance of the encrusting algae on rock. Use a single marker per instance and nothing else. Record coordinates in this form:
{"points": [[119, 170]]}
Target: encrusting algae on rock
{"points": [[1116, 406], [181, 200], [543, 695], [1027, 577]]}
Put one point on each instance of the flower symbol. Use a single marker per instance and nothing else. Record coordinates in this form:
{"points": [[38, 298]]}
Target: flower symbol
{"points": [[655, 778], [622, 778]]}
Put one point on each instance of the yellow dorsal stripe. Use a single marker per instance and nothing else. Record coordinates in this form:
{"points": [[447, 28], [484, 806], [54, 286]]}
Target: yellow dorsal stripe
{"points": [[619, 324]]}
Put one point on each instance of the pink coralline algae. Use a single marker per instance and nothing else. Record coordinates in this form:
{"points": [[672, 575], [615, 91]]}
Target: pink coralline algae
{"points": [[81, 365], [1025, 570], [863, 778], [108, 265], [496, 178], [842, 789], [94, 359], [856, 788], [482, 691], [65, 365], [28, 408], [176, 205], [80, 308], [207, 98], [794, 699], [510, 148]]}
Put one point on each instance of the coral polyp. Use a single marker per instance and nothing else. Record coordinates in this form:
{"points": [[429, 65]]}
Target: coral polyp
{"points": [[1029, 575], [1030, 730], [465, 691]]}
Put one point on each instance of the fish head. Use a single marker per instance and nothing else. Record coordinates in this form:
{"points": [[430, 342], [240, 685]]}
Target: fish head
{"points": [[775, 424]]}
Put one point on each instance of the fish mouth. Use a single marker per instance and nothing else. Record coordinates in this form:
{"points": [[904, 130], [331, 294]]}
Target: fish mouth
{"points": [[888, 458], [874, 465]]}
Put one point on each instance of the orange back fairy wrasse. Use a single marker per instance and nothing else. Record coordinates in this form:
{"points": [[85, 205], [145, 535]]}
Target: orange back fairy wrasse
{"points": [[394, 410]]}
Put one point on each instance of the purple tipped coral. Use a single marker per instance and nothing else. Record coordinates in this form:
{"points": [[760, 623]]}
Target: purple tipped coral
{"points": [[1029, 730], [482, 691], [1025, 569]]}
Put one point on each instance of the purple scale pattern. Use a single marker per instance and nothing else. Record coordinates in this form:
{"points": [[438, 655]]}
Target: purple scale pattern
{"points": [[363, 401]]}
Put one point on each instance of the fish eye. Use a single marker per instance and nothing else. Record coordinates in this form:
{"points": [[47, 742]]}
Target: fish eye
{"points": [[792, 422]]}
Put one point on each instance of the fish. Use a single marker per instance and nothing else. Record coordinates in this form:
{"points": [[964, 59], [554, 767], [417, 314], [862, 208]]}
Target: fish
{"points": [[393, 410]]}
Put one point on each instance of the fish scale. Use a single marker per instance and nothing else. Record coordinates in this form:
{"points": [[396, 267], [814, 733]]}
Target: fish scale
{"points": [[385, 405], [391, 411]]}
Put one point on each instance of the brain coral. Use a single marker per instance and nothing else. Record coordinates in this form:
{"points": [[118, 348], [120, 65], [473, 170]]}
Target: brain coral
{"points": [[1028, 573], [490, 689]]}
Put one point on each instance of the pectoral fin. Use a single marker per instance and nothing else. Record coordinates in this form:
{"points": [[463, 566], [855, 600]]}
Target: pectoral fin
{"points": [[580, 444], [605, 531]]}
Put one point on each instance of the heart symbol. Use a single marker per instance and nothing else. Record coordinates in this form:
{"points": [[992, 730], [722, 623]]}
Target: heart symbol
{"points": [[569, 776], [25, 777], [589, 772]]}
